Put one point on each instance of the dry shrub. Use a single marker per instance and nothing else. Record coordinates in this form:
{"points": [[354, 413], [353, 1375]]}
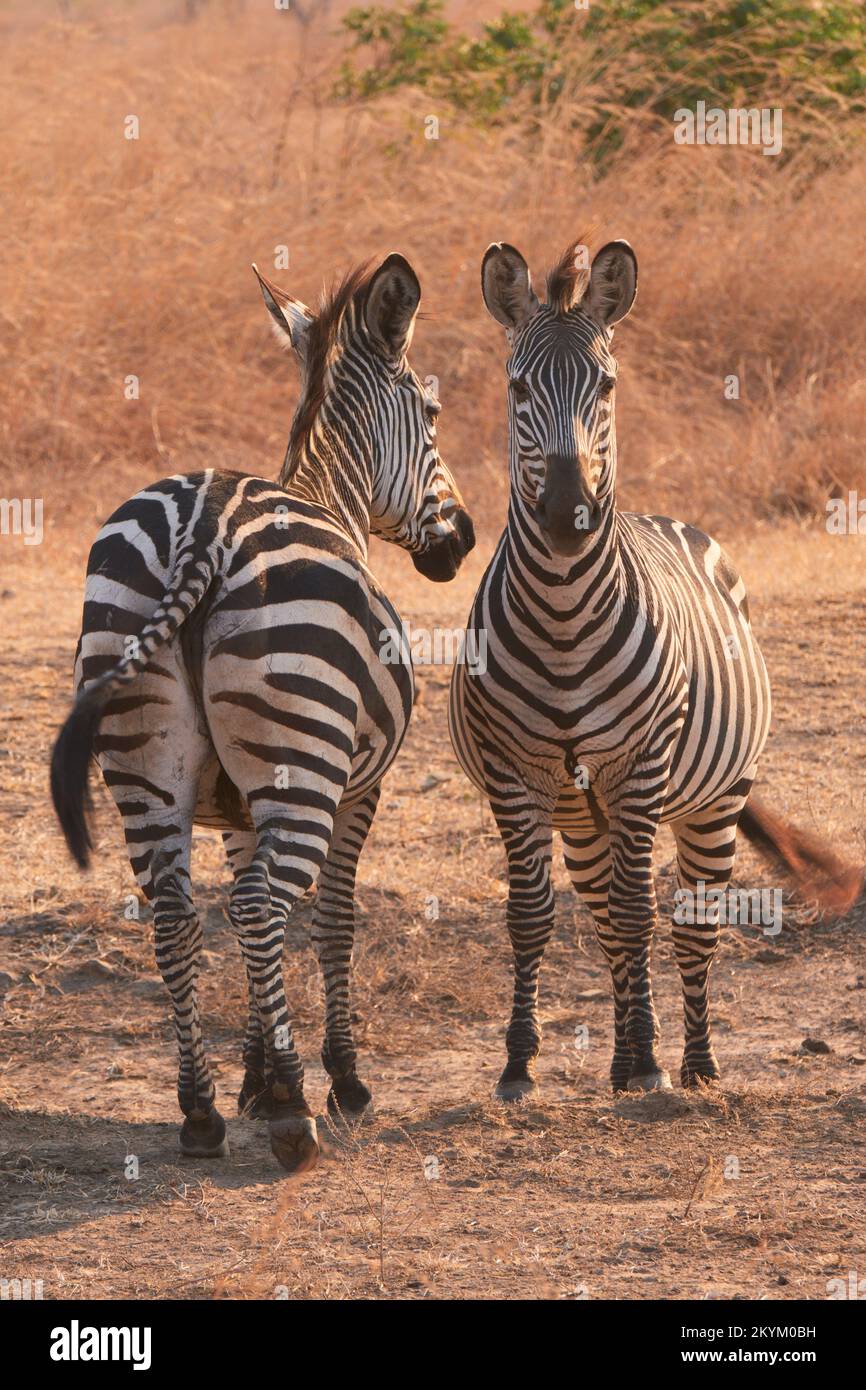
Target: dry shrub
{"points": [[132, 257]]}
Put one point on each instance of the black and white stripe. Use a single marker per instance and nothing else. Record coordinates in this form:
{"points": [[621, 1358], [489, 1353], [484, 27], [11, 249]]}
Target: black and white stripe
{"points": [[229, 675], [623, 686]]}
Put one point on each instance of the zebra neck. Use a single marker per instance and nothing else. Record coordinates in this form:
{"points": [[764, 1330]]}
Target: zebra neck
{"points": [[336, 476], [558, 594]]}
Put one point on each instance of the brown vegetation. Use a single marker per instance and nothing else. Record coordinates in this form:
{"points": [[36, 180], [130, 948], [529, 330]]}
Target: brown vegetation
{"points": [[132, 257]]}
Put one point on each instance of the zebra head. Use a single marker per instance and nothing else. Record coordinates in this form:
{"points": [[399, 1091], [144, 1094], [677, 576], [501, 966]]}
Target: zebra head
{"points": [[364, 435], [416, 503], [561, 377]]}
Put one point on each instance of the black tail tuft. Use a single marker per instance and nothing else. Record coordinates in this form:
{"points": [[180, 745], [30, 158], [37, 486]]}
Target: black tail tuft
{"points": [[70, 764], [819, 875]]}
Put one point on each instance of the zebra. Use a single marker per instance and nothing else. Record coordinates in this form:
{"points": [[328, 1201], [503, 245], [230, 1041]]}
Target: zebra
{"points": [[622, 688], [230, 674]]}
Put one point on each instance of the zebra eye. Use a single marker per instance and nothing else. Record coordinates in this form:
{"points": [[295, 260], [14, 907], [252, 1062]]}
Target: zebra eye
{"points": [[606, 386], [519, 389], [432, 412]]}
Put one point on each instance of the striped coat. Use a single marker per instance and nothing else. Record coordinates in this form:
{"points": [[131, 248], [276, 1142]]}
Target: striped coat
{"points": [[230, 674], [623, 687]]}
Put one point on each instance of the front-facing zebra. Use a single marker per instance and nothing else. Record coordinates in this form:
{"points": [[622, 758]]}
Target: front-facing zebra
{"points": [[622, 688], [229, 674]]}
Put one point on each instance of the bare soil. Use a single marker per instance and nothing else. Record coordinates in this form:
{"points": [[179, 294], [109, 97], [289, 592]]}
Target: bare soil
{"points": [[752, 1190]]}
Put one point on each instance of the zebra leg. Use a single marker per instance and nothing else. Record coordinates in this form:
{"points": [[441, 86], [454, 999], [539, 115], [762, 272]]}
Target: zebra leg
{"points": [[526, 830], [178, 939], [587, 859], [285, 864], [255, 1098], [633, 916], [333, 938], [157, 811], [705, 854], [162, 870]]}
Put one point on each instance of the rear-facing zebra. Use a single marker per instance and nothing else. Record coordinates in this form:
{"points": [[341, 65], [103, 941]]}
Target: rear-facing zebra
{"points": [[622, 687], [229, 674]]}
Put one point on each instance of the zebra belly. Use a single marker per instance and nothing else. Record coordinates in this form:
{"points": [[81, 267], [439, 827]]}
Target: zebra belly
{"points": [[722, 735]]}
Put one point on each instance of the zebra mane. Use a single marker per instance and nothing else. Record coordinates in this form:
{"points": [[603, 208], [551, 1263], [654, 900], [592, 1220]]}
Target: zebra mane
{"points": [[568, 280], [321, 340]]}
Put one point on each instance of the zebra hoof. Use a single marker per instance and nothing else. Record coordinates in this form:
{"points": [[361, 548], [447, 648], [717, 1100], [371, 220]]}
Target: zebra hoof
{"points": [[515, 1082], [350, 1103], [651, 1081], [294, 1142], [256, 1099], [204, 1137], [694, 1080]]}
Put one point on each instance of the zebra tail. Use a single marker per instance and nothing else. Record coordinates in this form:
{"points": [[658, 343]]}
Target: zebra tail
{"points": [[73, 749], [819, 875]]}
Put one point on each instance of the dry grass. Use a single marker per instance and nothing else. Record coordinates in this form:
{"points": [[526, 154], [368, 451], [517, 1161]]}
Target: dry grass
{"points": [[132, 257]]}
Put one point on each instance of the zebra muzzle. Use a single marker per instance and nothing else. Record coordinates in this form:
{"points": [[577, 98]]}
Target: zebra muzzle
{"points": [[567, 511], [441, 561]]}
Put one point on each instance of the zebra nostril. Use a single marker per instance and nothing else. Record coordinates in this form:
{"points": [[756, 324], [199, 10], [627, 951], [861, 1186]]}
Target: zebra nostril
{"points": [[465, 529]]}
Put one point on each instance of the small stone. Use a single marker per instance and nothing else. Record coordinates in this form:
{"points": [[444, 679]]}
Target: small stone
{"points": [[815, 1045], [433, 779]]}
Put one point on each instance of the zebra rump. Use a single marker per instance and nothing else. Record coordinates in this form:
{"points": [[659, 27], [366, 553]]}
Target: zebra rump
{"points": [[74, 748]]}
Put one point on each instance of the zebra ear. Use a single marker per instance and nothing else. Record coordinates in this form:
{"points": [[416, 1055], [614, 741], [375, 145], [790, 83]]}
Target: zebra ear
{"points": [[392, 302], [612, 283], [290, 319], [507, 285]]}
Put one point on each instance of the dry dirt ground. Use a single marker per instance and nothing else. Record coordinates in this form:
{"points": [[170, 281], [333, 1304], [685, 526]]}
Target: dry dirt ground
{"points": [[754, 1190]]}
